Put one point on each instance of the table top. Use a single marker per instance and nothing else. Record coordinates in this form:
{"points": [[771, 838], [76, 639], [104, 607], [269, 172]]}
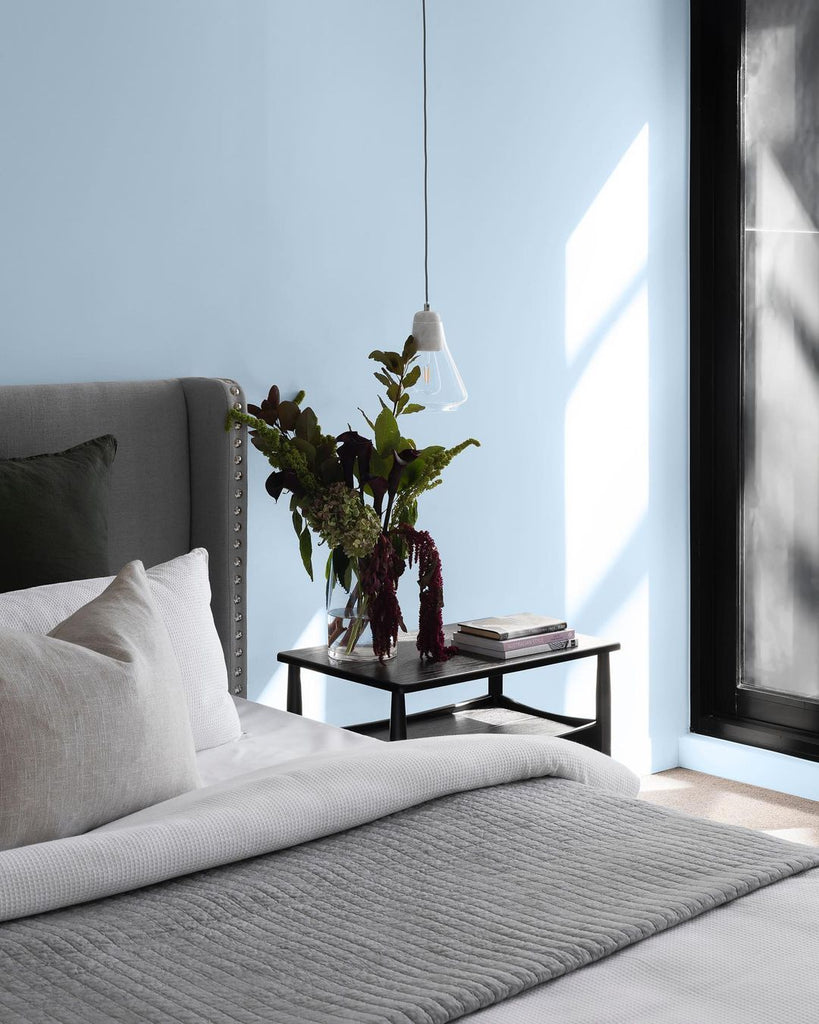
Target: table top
{"points": [[406, 672]]}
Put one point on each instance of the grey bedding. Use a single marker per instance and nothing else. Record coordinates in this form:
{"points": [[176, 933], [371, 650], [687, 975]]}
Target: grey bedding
{"points": [[427, 914]]}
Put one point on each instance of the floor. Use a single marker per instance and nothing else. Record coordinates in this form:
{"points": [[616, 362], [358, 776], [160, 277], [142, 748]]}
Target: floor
{"points": [[735, 803]]}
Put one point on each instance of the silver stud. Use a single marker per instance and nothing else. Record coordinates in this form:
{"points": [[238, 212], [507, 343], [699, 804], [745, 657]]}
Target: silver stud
{"points": [[237, 543], [234, 390], [237, 598], [238, 617], [237, 690], [237, 527], [237, 460], [238, 407], [237, 671], [238, 475], [238, 652], [237, 561], [238, 635], [237, 580], [237, 442], [237, 510], [239, 494]]}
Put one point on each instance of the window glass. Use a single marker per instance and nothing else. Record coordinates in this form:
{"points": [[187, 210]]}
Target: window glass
{"points": [[780, 353]]}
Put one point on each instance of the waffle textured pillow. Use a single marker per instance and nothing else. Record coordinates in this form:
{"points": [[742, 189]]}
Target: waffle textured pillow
{"points": [[181, 589], [93, 719]]}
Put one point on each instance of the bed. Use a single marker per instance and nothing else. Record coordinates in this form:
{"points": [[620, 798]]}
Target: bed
{"points": [[315, 875]]}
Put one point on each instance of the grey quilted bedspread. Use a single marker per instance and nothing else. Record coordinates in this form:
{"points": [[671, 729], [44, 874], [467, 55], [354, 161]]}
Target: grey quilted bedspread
{"points": [[422, 916]]}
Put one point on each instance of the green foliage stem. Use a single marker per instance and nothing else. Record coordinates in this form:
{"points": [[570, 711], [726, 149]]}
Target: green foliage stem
{"points": [[426, 476], [280, 451]]}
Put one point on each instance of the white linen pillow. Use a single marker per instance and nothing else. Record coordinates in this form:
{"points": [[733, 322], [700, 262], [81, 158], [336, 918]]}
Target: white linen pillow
{"points": [[181, 589], [93, 719]]}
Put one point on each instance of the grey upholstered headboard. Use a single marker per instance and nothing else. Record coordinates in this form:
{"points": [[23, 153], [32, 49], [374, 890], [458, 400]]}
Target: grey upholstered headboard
{"points": [[179, 479]]}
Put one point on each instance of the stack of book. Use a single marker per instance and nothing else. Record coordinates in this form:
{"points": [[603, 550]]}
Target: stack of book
{"points": [[513, 636]]}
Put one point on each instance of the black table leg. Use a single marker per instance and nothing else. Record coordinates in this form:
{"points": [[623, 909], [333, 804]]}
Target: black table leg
{"points": [[496, 686], [294, 689], [603, 702], [398, 716]]}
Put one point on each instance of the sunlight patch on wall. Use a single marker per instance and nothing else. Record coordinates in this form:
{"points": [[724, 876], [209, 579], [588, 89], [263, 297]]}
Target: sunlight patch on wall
{"points": [[607, 449], [608, 250], [606, 490], [314, 685], [607, 413]]}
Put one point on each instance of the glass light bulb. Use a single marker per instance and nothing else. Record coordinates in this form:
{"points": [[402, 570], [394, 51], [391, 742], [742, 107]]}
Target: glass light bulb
{"points": [[439, 387]]}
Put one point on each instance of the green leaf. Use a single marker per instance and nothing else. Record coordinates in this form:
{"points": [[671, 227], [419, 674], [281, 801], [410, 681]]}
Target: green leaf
{"points": [[393, 362], [413, 408], [298, 525], [307, 450], [412, 473], [288, 413], [378, 355], [306, 550], [382, 378], [387, 433], [327, 565], [402, 404], [370, 423], [381, 465], [412, 377], [341, 566], [410, 348], [393, 391], [306, 424]]}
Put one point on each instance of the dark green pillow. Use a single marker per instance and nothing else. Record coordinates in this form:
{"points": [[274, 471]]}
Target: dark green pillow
{"points": [[54, 515]]}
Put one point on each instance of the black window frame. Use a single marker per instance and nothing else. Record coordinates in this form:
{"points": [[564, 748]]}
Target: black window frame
{"points": [[720, 705]]}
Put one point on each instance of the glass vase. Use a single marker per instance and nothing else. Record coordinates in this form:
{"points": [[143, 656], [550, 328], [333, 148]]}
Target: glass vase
{"points": [[349, 637]]}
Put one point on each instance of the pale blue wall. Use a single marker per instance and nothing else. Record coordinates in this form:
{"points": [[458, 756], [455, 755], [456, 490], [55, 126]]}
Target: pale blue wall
{"points": [[220, 188]]}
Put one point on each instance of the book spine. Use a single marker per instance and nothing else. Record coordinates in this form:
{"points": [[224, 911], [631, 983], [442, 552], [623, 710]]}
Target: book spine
{"points": [[480, 643], [502, 655], [517, 634]]}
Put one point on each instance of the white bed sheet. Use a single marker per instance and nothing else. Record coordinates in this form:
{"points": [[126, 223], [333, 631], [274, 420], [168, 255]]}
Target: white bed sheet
{"points": [[271, 737], [750, 962]]}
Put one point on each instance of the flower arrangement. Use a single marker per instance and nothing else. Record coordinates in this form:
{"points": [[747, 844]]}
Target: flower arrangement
{"points": [[359, 495]]}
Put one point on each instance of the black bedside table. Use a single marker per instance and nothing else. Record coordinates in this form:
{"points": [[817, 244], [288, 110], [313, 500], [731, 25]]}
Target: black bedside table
{"points": [[406, 674]]}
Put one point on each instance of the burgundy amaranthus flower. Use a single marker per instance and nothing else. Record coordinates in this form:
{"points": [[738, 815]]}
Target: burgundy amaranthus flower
{"points": [[380, 572], [430, 642]]}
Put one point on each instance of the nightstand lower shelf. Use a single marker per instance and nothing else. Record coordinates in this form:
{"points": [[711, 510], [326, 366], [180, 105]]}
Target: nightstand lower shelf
{"points": [[486, 715]]}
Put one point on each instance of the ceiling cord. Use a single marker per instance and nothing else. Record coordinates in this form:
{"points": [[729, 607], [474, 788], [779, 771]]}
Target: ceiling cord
{"points": [[426, 159]]}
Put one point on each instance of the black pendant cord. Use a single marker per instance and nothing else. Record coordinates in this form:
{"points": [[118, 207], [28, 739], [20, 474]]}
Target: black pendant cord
{"points": [[426, 160]]}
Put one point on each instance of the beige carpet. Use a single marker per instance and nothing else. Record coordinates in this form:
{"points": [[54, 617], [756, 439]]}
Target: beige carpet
{"points": [[735, 803]]}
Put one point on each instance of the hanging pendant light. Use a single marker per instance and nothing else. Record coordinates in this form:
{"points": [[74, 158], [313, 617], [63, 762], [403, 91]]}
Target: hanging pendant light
{"points": [[440, 387]]}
